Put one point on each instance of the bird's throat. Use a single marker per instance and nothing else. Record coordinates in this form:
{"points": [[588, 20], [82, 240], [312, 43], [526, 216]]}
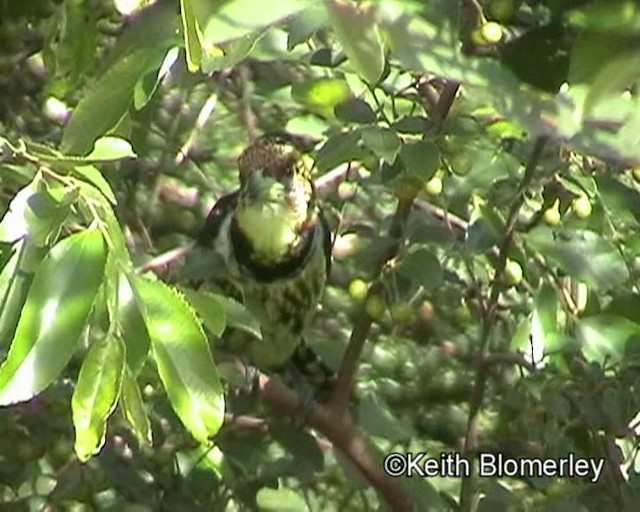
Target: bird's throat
{"points": [[270, 230]]}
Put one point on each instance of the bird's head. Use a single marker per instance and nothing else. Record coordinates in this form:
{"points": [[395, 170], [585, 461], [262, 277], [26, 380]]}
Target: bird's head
{"points": [[276, 200]]}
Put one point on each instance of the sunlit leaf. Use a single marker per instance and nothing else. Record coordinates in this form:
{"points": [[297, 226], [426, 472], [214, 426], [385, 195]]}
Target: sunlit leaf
{"points": [[321, 95], [54, 315], [111, 148], [280, 500], [605, 337], [183, 358], [96, 394], [363, 46], [584, 255]]}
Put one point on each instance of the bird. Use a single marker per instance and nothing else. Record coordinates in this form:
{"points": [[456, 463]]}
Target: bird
{"points": [[274, 244]]}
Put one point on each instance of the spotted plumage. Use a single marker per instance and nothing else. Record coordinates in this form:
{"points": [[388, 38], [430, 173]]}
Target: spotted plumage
{"points": [[275, 245]]}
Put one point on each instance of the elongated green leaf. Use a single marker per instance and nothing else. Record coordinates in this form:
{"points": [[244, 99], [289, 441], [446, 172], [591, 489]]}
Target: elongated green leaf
{"points": [[54, 315], [111, 148], [210, 309], [15, 280], [225, 21], [321, 95], [543, 322], [604, 337], [107, 100], [192, 35], [132, 327], [96, 394], [183, 358], [582, 254], [133, 407], [281, 500], [364, 45], [91, 174], [239, 317]]}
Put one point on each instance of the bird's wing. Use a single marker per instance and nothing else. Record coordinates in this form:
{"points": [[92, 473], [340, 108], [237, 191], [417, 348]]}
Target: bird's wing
{"points": [[220, 211]]}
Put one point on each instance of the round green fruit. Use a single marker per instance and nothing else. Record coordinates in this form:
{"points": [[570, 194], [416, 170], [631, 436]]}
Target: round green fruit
{"points": [[461, 164], [512, 273], [375, 306], [463, 315], [401, 312], [358, 289], [433, 187], [636, 174], [491, 32], [501, 10], [581, 206]]}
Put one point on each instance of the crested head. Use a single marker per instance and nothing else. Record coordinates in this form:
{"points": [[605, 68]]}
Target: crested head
{"points": [[276, 200], [274, 155]]}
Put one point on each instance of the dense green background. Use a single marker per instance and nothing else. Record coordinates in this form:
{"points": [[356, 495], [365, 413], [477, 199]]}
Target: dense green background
{"points": [[479, 161]]}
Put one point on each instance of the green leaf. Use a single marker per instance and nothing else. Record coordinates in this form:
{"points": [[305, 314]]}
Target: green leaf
{"points": [[355, 110], [15, 280], [155, 27], [225, 21], [239, 317], [101, 207], [621, 16], [305, 24], [584, 255], [133, 408], [210, 309], [280, 500], [147, 85], [132, 326], [376, 418], [96, 394], [107, 101], [37, 211], [421, 267], [183, 358], [363, 45], [111, 148], [14, 225], [230, 53], [421, 158], [591, 51], [604, 337], [544, 323], [192, 35], [620, 201], [92, 175], [321, 95], [53, 316], [339, 149], [382, 141], [618, 73]]}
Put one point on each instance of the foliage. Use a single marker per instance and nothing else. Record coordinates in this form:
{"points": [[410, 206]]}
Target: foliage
{"points": [[480, 161]]}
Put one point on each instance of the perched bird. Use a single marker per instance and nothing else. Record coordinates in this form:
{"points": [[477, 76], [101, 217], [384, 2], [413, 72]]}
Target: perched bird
{"points": [[275, 245]]}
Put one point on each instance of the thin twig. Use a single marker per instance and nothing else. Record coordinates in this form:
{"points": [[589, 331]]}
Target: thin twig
{"points": [[468, 493]]}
